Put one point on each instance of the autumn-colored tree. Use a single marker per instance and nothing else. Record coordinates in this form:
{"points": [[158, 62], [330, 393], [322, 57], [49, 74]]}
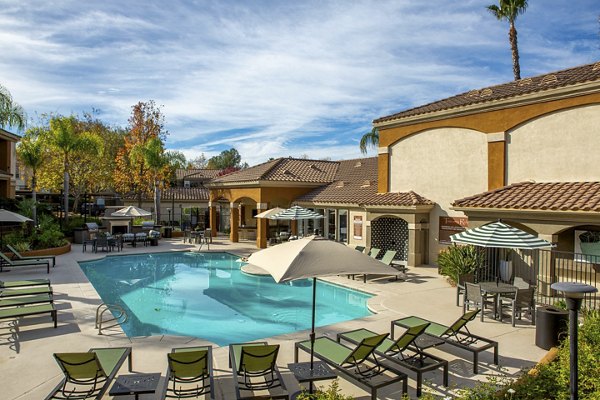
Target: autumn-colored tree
{"points": [[133, 174]]}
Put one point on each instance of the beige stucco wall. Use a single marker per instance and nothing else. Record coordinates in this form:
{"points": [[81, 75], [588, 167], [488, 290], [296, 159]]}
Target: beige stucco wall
{"points": [[562, 146], [443, 165], [355, 241]]}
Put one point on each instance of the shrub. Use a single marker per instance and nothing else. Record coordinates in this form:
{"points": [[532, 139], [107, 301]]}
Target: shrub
{"points": [[332, 393], [458, 260], [77, 222], [48, 234]]}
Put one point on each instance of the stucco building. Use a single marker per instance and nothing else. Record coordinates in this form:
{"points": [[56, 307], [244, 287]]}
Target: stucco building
{"points": [[8, 164]]}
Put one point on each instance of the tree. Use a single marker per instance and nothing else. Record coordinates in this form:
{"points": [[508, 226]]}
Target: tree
{"points": [[370, 139], [228, 159], [31, 155], [11, 113], [132, 172], [198, 162], [65, 138], [509, 10]]}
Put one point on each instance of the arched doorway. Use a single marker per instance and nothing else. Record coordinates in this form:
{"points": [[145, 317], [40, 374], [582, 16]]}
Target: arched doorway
{"points": [[390, 233]]}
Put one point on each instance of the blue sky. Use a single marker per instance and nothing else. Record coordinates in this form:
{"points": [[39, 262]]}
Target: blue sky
{"points": [[274, 78]]}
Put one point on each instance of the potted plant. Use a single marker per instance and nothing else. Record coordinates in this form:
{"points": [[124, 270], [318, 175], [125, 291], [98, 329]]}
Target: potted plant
{"points": [[506, 267], [459, 260]]}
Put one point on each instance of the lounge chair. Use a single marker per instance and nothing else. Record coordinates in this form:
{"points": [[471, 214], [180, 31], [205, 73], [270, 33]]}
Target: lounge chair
{"points": [[16, 312], [457, 335], [191, 369], [7, 262], [358, 363], [141, 237], [374, 252], [26, 300], [24, 283], [21, 257], [89, 375], [255, 371], [402, 351], [28, 291], [388, 259]]}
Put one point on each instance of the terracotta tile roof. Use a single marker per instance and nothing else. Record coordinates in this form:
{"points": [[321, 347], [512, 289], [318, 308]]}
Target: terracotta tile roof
{"points": [[181, 194], [285, 170], [558, 79], [196, 173], [356, 184], [549, 196]]}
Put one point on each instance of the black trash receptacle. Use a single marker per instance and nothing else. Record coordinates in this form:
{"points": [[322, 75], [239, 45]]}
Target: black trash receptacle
{"points": [[551, 324], [167, 232]]}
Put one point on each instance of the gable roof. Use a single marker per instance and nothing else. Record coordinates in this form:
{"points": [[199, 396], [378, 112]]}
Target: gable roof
{"points": [[543, 196], [196, 173], [541, 83], [356, 184], [181, 194], [284, 170]]}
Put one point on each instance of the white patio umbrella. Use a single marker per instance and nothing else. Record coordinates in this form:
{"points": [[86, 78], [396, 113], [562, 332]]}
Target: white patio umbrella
{"points": [[269, 213], [311, 257], [296, 213], [499, 235], [9, 216], [131, 211]]}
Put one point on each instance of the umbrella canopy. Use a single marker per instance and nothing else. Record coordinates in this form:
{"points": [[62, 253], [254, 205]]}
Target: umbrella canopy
{"points": [[311, 257], [269, 213], [131, 211], [499, 235], [9, 216], [296, 213]]}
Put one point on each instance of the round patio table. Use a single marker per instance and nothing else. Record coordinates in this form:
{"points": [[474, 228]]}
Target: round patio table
{"points": [[496, 289]]}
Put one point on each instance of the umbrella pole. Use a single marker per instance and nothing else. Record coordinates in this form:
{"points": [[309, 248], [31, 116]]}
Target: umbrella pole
{"points": [[312, 332]]}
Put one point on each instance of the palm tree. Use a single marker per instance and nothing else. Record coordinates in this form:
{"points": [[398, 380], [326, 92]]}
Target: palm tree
{"points": [[509, 10], [31, 154], [11, 113], [65, 138], [370, 139]]}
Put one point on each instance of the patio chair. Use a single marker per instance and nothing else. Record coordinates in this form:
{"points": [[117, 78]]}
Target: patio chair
{"points": [[128, 238], [457, 335], [517, 302], [18, 256], [25, 291], [360, 248], [102, 242], [475, 297], [189, 372], [26, 300], [460, 285], [403, 351], [255, 371], [374, 252], [358, 364], [7, 262], [24, 311], [141, 237], [24, 283], [89, 375], [521, 283]]}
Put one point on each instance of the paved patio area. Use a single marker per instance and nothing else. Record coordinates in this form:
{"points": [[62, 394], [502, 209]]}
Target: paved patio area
{"points": [[28, 370]]}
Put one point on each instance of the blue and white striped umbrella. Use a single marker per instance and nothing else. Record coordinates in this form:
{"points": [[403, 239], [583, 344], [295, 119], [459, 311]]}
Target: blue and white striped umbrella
{"points": [[296, 213], [499, 235]]}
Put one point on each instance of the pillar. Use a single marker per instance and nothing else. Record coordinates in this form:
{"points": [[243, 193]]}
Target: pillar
{"points": [[546, 268], [261, 226], [234, 222], [416, 244], [294, 227], [496, 160], [212, 214]]}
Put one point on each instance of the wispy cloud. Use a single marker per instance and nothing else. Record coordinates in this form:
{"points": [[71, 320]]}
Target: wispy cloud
{"points": [[274, 78]]}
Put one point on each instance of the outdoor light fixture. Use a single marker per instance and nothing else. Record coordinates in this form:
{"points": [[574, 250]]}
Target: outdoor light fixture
{"points": [[574, 293]]}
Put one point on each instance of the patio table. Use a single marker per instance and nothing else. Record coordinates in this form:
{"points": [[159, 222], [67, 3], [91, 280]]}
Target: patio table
{"points": [[495, 289]]}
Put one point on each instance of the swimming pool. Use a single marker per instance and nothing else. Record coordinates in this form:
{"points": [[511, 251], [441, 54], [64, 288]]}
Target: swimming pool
{"points": [[206, 295]]}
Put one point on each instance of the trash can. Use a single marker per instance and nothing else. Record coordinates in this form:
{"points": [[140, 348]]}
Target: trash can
{"points": [[551, 324], [167, 232]]}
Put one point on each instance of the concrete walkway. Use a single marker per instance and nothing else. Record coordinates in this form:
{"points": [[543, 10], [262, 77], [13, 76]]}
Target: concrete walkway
{"points": [[28, 369]]}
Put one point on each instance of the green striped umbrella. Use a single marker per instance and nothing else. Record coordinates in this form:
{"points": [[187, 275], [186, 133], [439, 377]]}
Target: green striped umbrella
{"points": [[499, 235], [296, 213]]}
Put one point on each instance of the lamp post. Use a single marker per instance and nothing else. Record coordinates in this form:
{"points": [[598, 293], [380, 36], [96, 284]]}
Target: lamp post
{"points": [[574, 293], [169, 211]]}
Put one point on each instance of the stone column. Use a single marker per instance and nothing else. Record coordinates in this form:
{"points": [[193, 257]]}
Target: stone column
{"points": [[234, 222], [212, 213], [261, 226], [416, 244]]}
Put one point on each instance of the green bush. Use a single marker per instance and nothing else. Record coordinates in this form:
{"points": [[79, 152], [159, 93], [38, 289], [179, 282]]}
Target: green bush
{"points": [[332, 393], [78, 222], [458, 260], [47, 235]]}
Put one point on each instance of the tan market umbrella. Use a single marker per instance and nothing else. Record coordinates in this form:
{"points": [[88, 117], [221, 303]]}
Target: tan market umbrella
{"points": [[269, 213], [312, 257], [131, 211]]}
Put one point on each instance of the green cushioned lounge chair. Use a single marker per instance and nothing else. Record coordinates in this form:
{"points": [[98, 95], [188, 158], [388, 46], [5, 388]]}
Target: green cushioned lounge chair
{"points": [[7, 262], [16, 312], [189, 372], [255, 371], [25, 300], [88, 375], [27, 291], [403, 351], [374, 252], [359, 364], [387, 259], [18, 256], [24, 283], [457, 335]]}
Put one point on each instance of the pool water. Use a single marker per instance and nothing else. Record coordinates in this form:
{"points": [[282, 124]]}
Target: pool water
{"points": [[206, 295]]}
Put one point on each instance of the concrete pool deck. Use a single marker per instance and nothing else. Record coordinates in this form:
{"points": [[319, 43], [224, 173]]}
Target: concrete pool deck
{"points": [[28, 369]]}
